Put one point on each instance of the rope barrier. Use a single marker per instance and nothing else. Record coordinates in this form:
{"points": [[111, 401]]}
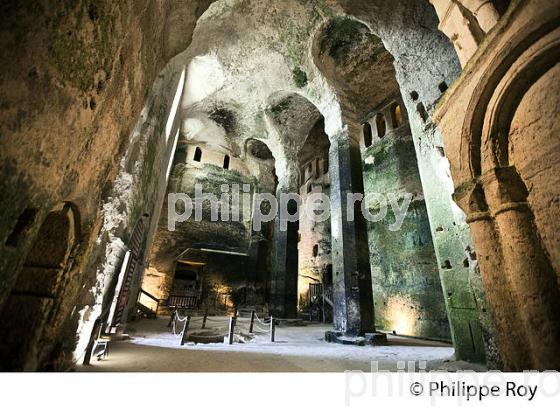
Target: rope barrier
{"points": [[235, 326], [209, 337], [179, 318], [260, 321], [260, 329], [216, 320]]}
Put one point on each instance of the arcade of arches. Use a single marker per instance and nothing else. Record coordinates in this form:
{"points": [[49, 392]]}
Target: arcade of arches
{"points": [[107, 108]]}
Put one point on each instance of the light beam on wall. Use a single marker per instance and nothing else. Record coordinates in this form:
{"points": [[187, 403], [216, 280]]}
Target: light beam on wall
{"points": [[175, 106], [172, 156]]}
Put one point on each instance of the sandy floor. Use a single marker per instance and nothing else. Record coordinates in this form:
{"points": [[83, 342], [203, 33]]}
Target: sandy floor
{"points": [[153, 348]]}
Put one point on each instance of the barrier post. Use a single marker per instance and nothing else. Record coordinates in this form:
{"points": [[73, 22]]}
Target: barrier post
{"points": [[172, 318], [272, 329], [185, 330], [252, 321], [204, 319], [231, 329]]}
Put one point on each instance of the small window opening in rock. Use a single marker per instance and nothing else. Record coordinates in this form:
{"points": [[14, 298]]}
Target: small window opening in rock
{"points": [[23, 224], [466, 263], [396, 116], [318, 166], [198, 155], [93, 13], [414, 95], [422, 111], [368, 135], [309, 188], [92, 104], [381, 125], [446, 265], [226, 162], [325, 165], [315, 250], [441, 151], [443, 87]]}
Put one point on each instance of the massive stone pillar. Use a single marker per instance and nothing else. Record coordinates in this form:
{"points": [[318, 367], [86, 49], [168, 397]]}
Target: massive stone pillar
{"points": [[352, 288], [452, 244], [283, 286], [520, 283]]}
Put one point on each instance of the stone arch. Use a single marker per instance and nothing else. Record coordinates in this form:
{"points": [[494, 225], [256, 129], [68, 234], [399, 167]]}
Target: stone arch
{"points": [[516, 264], [35, 299], [338, 40], [258, 149], [514, 85], [361, 94], [533, 146], [527, 39]]}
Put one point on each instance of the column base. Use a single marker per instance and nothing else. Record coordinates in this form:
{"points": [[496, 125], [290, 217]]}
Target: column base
{"points": [[370, 339]]}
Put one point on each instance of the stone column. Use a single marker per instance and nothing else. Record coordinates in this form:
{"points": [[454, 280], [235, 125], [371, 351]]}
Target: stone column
{"points": [[532, 280], [352, 287], [503, 310], [283, 286]]}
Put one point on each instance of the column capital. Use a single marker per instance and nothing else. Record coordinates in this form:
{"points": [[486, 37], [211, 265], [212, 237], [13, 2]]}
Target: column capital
{"points": [[471, 199], [504, 189], [498, 190]]}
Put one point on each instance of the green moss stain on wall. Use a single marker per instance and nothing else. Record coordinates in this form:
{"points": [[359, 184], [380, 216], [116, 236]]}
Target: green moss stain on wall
{"points": [[407, 292]]}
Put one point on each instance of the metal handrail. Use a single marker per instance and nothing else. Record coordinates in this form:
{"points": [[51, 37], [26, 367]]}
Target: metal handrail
{"points": [[149, 295]]}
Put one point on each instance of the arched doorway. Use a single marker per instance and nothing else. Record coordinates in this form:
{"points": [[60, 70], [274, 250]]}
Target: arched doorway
{"points": [[34, 301]]}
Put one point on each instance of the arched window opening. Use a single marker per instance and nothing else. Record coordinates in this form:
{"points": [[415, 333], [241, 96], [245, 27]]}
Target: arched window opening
{"points": [[315, 250], [226, 162], [381, 125], [368, 135], [396, 116], [197, 155]]}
